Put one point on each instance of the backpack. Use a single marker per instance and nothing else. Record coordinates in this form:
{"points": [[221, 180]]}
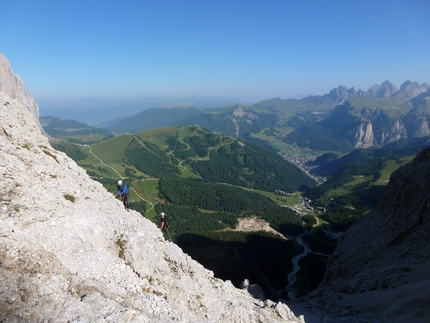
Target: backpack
{"points": [[166, 222]]}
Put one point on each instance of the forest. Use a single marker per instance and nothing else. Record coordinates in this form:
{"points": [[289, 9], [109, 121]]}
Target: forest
{"points": [[149, 159], [203, 215], [344, 209], [199, 205], [252, 166]]}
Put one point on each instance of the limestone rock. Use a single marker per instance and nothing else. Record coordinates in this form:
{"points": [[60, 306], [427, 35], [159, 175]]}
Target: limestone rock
{"points": [[385, 90], [12, 85], [413, 87]]}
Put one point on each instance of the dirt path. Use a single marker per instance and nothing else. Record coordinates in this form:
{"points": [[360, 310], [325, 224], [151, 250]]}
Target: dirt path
{"points": [[133, 185]]}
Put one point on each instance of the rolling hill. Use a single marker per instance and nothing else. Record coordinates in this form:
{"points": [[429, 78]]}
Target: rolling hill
{"points": [[154, 118], [73, 130], [328, 164], [170, 151]]}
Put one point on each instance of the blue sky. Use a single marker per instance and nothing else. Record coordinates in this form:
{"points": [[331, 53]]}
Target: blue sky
{"points": [[250, 50]]}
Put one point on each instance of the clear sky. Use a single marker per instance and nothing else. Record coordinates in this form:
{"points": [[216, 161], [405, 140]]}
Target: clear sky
{"points": [[246, 49]]}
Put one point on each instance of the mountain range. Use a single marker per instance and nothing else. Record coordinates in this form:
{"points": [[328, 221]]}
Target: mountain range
{"points": [[102, 112], [342, 120]]}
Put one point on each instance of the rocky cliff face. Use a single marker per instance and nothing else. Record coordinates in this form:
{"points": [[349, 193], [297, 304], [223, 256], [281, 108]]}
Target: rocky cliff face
{"points": [[382, 264], [385, 90], [12, 85], [71, 253], [374, 122], [414, 88]]}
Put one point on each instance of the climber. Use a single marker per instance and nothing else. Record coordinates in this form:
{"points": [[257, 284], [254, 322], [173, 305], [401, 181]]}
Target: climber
{"points": [[165, 225], [123, 190]]}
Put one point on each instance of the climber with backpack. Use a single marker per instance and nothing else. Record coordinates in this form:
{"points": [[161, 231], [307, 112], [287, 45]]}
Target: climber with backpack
{"points": [[165, 225], [122, 188]]}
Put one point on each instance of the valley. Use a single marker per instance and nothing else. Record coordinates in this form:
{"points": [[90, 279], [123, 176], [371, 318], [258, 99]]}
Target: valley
{"points": [[309, 247], [145, 189], [284, 181]]}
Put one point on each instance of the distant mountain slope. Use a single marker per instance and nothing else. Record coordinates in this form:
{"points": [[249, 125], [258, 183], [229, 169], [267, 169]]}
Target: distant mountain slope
{"points": [[409, 143], [353, 191], [101, 111], [222, 159], [341, 120], [327, 165], [154, 118], [236, 121], [73, 130], [249, 165], [366, 122], [321, 104], [286, 109]]}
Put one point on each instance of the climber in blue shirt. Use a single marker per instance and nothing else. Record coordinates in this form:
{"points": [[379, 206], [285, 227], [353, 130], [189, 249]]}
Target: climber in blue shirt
{"points": [[122, 188]]}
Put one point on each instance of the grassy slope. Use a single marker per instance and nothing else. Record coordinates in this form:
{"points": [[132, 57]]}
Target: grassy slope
{"points": [[112, 150], [349, 187], [391, 166], [148, 190]]}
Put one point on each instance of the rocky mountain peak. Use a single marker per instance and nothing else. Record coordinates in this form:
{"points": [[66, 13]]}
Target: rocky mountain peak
{"points": [[385, 90], [414, 87], [12, 85], [342, 93], [239, 112]]}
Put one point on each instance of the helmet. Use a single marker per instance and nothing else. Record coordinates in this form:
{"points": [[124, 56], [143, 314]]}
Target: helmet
{"points": [[162, 213], [120, 182]]}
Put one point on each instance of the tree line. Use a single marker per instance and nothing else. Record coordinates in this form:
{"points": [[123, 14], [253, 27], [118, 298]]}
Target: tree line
{"points": [[199, 205], [249, 165], [149, 159]]}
